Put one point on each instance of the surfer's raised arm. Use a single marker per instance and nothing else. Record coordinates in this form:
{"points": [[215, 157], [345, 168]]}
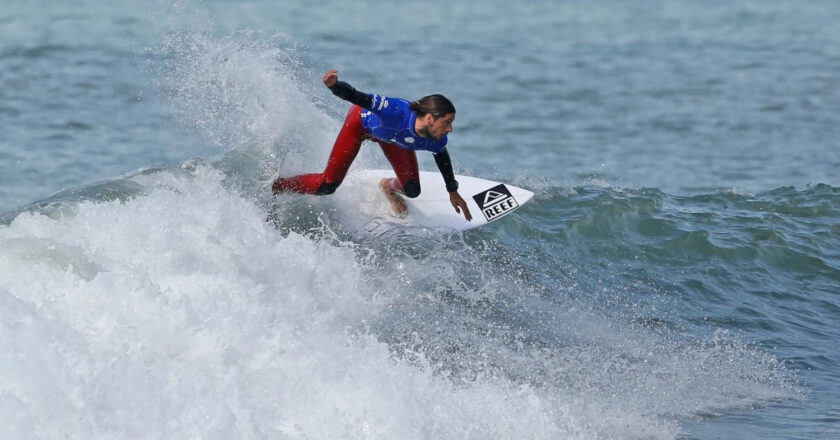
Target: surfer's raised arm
{"points": [[345, 91], [392, 116]]}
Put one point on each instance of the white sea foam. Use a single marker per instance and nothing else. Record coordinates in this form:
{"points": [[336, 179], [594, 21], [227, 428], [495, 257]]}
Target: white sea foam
{"points": [[181, 313]]}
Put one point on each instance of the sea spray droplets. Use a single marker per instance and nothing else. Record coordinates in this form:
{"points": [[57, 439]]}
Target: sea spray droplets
{"points": [[246, 94]]}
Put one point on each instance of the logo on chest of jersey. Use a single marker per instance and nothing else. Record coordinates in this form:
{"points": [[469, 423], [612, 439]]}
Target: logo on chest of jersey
{"points": [[495, 202]]}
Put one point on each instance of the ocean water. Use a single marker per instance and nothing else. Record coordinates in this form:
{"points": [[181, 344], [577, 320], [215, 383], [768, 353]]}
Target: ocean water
{"points": [[676, 276]]}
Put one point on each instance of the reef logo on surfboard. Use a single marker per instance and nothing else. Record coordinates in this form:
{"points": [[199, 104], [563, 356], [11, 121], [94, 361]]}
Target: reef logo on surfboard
{"points": [[495, 202]]}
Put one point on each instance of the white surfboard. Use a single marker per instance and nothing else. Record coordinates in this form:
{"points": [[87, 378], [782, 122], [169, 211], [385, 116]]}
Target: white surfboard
{"points": [[362, 204]]}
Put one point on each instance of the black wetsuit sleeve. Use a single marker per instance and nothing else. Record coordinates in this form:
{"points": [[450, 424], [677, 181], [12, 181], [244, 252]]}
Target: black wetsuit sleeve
{"points": [[444, 164], [348, 93]]}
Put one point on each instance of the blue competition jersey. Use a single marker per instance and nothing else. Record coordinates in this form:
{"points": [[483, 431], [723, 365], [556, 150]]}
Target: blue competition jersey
{"points": [[391, 120]]}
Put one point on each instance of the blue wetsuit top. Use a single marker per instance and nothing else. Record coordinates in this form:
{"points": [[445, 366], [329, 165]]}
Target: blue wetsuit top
{"points": [[392, 120]]}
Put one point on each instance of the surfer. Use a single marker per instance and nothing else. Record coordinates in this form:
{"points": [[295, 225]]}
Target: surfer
{"points": [[401, 128]]}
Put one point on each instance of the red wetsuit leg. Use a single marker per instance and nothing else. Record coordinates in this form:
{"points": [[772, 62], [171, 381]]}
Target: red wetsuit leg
{"points": [[404, 163], [344, 151]]}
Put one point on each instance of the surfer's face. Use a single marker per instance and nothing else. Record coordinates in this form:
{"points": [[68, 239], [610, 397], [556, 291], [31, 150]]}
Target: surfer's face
{"points": [[440, 127]]}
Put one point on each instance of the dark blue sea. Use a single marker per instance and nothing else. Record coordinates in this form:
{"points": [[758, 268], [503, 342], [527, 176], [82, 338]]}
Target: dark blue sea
{"points": [[676, 275]]}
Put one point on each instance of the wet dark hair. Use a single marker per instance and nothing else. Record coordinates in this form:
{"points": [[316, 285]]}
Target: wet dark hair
{"points": [[437, 105]]}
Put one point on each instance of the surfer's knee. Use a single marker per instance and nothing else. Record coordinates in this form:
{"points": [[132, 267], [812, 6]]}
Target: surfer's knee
{"points": [[327, 188], [411, 189]]}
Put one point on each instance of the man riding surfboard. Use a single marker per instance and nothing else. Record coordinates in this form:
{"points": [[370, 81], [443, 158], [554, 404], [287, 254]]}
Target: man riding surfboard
{"points": [[401, 128]]}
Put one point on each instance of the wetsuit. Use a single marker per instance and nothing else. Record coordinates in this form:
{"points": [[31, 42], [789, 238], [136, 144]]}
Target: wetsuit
{"points": [[389, 122]]}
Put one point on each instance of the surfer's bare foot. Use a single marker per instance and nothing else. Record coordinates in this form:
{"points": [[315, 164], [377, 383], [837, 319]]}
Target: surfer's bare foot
{"points": [[397, 203]]}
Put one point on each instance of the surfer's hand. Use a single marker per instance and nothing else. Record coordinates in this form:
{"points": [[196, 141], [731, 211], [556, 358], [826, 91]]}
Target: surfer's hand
{"points": [[330, 78], [460, 205]]}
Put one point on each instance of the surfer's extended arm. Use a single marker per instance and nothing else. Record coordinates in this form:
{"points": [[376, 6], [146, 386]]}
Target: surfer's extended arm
{"points": [[444, 164]]}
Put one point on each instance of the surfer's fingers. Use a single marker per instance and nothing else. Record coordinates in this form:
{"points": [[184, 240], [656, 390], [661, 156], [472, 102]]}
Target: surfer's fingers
{"points": [[462, 205], [467, 213]]}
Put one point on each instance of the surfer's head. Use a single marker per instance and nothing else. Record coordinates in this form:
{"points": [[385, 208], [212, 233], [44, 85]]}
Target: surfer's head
{"points": [[435, 105], [435, 115]]}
